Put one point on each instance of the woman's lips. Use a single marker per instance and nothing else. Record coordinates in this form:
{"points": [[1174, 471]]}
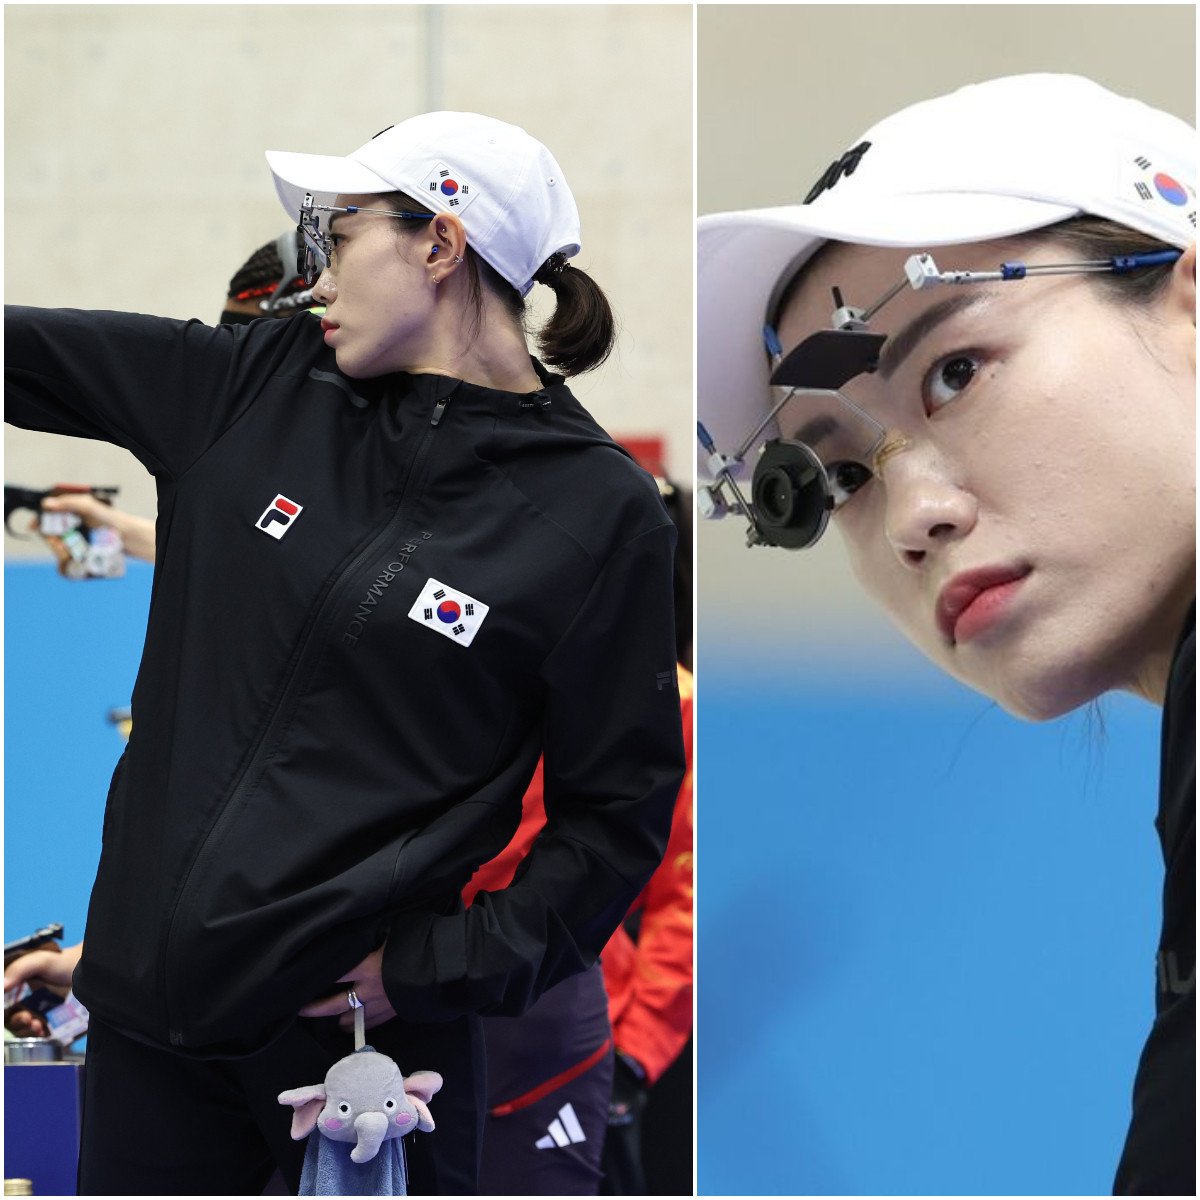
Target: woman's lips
{"points": [[327, 327], [973, 601]]}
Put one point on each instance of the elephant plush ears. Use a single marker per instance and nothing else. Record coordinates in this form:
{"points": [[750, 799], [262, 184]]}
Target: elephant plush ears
{"points": [[420, 1087], [307, 1103]]}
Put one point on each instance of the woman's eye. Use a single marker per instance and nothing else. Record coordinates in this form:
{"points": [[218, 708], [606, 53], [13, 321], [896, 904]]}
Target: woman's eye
{"points": [[948, 379], [846, 478]]}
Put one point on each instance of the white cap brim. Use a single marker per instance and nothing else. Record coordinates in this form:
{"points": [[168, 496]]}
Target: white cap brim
{"points": [[324, 176]]}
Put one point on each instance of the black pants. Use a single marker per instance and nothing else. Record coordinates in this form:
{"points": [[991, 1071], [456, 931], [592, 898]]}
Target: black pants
{"points": [[155, 1123]]}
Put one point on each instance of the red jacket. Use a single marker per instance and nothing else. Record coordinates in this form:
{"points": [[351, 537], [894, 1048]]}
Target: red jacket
{"points": [[649, 981]]}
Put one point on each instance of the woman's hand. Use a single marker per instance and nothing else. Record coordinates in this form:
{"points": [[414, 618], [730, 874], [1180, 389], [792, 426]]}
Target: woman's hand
{"points": [[44, 968], [366, 982]]}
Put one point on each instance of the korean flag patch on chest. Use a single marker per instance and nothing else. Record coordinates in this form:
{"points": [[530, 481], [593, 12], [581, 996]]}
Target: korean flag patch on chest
{"points": [[451, 613]]}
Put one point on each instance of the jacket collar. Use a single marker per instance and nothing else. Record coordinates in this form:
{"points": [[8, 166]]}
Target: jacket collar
{"points": [[431, 388]]}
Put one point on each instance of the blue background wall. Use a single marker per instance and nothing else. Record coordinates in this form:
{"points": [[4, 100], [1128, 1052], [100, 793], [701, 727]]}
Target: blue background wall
{"points": [[926, 932], [70, 654]]}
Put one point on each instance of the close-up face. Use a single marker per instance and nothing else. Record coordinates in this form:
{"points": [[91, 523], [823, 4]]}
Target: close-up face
{"points": [[1034, 532], [378, 291]]}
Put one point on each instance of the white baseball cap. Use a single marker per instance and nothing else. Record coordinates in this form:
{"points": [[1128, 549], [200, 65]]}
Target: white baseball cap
{"points": [[505, 186], [987, 161]]}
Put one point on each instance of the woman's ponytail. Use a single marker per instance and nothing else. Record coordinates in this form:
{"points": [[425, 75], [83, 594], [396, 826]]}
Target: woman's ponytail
{"points": [[581, 333]]}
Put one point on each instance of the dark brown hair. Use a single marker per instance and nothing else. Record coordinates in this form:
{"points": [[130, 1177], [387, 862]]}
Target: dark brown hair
{"points": [[580, 334], [1097, 237], [582, 331]]}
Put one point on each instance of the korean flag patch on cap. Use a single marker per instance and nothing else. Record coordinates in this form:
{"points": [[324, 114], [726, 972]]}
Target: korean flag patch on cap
{"points": [[452, 614], [449, 186]]}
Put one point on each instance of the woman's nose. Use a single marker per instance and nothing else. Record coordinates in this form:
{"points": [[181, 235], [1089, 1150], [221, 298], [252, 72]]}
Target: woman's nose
{"points": [[325, 289], [926, 508]]}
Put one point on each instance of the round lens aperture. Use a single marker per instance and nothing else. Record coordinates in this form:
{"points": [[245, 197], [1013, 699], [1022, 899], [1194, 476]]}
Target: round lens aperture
{"points": [[776, 496], [791, 495]]}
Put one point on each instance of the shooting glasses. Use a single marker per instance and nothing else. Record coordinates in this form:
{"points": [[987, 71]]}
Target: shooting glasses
{"points": [[819, 446], [315, 248]]}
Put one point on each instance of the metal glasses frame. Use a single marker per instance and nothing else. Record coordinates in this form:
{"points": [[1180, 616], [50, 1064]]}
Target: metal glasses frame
{"points": [[315, 249], [829, 358]]}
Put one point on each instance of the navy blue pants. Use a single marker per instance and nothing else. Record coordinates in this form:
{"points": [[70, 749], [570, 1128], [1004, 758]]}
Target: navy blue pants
{"points": [[549, 1085]]}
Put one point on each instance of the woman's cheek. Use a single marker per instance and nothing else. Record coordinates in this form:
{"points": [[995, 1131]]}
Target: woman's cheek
{"points": [[872, 559]]}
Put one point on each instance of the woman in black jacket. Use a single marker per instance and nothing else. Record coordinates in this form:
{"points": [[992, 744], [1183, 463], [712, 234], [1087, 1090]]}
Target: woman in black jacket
{"points": [[395, 561]]}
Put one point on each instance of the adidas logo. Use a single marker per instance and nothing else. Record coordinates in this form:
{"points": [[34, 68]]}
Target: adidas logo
{"points": [[565, 1131]]}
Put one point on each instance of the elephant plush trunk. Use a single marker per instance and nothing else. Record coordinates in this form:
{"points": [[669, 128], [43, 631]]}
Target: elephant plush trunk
{"points": [[371, 1128]]}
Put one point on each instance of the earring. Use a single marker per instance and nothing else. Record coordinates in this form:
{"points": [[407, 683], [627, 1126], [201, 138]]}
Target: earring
{"points": [[434, 250], [457, 258]]}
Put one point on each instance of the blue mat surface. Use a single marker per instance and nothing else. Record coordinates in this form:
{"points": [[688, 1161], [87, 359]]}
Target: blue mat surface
{"points": [[926, 936], [71, 651]]}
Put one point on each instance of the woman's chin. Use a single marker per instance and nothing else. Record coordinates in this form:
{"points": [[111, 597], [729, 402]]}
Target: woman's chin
{"points": [[1037, 706], [1046, 689], [349, 365]]}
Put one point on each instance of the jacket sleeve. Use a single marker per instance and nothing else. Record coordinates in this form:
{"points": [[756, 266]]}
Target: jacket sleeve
{"points": [[655, 1021], [613, 762], [158, 387]]}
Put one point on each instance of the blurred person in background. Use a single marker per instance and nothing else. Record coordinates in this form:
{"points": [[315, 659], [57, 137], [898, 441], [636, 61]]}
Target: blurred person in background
{"points": [[295, 811], [999, 417], [21, 1019]]}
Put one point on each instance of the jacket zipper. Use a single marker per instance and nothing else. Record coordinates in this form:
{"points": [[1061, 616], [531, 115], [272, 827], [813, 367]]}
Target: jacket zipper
{"points": [[282, 705]]}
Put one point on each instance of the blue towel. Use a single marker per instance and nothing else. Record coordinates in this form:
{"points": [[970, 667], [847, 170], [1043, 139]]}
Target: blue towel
{"points": [[328, 1170]]}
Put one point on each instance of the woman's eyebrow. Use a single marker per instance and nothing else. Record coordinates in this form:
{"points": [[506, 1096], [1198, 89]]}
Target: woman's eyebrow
{"points": [[900, 345], [816, 428]]}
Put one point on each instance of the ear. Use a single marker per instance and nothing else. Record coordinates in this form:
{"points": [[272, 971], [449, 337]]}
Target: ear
{"points": [[1184, 278], [422, 1085], [308, 1102], [448, 235], [424, 1118], [1182, 296]]}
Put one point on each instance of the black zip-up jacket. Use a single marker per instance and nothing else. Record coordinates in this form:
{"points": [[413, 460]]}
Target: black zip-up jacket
{"points": [[318, 762], [1159, 1158]]}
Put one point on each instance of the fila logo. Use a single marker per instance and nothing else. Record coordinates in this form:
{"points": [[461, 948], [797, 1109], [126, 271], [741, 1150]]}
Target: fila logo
{"points": [[565, 1130], [280, 516], [451, 613]]}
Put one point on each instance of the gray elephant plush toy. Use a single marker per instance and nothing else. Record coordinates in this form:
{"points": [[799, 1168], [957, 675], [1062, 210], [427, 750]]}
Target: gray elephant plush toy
{"points": [[364, 1104]]}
